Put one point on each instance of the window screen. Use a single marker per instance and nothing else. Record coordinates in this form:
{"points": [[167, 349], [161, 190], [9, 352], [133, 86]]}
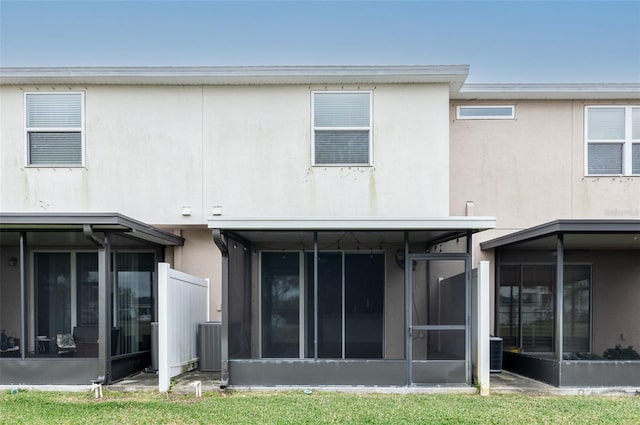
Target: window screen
{"points": [[342, 128], [612, 134], [54, 123]]}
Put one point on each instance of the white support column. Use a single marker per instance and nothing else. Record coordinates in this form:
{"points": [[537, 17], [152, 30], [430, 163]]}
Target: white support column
{"points": [[482, 320]]}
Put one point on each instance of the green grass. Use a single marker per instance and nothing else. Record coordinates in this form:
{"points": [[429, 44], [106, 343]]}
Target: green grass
{"points": [[294, 407]]}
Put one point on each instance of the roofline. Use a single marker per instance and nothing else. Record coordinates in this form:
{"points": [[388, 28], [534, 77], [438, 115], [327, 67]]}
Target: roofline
{"points": [[351, 223], [107, 222], [549, 91], [565, 226], [455, 75]]}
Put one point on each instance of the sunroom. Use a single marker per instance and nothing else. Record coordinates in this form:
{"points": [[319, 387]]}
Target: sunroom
{"points": [[330, 301], [567, 302], [77, 296]]}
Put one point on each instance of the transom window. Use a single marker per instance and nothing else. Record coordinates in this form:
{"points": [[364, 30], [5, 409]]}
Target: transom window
{"points": [[612, 140], [485, 112], [54, 128], [341, 128]]}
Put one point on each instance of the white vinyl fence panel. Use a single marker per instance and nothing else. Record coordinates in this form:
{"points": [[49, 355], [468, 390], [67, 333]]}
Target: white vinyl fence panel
{"points": [[182, 305], [480, 333]]}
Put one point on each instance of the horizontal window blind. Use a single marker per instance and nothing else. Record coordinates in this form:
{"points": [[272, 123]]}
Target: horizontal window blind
{"points": [[342, 147], [485, 112], [605, 158], [342, 127], [635, 158], [341, 110], [606, 124], [62, 110], [54, 124], [60, 148]]}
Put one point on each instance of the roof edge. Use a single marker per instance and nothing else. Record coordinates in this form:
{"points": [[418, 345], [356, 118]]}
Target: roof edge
{"points": [[350, 223], [549, 91], [219, 75], [564, 226]]}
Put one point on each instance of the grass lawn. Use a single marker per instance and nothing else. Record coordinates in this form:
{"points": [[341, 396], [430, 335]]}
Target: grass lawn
{"points": [[295, 407]]}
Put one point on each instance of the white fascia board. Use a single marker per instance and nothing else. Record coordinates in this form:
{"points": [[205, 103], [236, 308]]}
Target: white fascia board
{"points": [[455, 75], [548, 91], [351, 223]]}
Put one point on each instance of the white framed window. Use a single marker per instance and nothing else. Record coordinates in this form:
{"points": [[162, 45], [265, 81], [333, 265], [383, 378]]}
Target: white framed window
{"points": [[485, 112], [54, 124], [341, 122], [612, 140]]}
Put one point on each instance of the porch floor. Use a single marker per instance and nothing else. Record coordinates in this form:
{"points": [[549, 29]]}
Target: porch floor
{"points": [[501, 383]]}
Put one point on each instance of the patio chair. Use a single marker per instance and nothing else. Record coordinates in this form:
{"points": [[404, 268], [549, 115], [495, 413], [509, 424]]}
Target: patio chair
{"points": [[66, 344]]}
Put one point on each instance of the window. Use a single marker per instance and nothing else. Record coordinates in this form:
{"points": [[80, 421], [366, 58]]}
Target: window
{"points": [[341, 128], [486, 112], [527, 307], [612, 140], [54, 129]]}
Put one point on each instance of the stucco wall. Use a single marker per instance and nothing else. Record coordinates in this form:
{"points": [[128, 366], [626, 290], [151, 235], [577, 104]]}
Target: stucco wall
{"points": [[530, 170], [150, 150]]}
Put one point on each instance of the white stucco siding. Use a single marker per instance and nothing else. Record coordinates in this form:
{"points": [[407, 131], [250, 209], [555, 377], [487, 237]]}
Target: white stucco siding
{"points": [[142, 156], [261, 139], [150, 150]]}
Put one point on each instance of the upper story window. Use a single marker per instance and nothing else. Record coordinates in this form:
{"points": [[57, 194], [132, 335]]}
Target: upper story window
{"points": [[54, 129], [486, 112], [341, 128], [612, 140]]}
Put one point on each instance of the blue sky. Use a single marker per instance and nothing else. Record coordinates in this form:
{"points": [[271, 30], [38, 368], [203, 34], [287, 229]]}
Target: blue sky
{"points": [[502, 41]]}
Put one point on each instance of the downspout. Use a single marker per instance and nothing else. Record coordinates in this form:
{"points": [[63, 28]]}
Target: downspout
{"points": [[104, 302], [218, 239]]}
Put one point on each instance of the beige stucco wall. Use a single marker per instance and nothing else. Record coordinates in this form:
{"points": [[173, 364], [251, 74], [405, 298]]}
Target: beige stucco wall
{"points": [[530, 170], [10, 292], [616, 296]]}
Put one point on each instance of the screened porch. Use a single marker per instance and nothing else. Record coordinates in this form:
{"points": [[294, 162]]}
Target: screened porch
{"points": [[334, 306], [77, 296], [583, 331]]}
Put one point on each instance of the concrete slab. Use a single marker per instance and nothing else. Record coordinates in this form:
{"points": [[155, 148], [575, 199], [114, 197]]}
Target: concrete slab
{"points": [[181, 384]]}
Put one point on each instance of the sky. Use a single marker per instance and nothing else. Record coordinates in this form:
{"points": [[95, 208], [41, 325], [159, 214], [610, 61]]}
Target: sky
{"points": [[511, 41]]}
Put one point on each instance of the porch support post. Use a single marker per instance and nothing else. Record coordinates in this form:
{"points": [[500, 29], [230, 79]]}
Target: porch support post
{"points": [[104, 302], [104, 309], [315, 295], [407, 308], [467, 307], [559, 294], [23, 295], [224, 349]]}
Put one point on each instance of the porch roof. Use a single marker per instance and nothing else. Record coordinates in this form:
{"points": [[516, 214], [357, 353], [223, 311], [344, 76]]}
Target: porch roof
{"points": [[439, 229], [579, 234], [351, 223], [99, 222]]}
